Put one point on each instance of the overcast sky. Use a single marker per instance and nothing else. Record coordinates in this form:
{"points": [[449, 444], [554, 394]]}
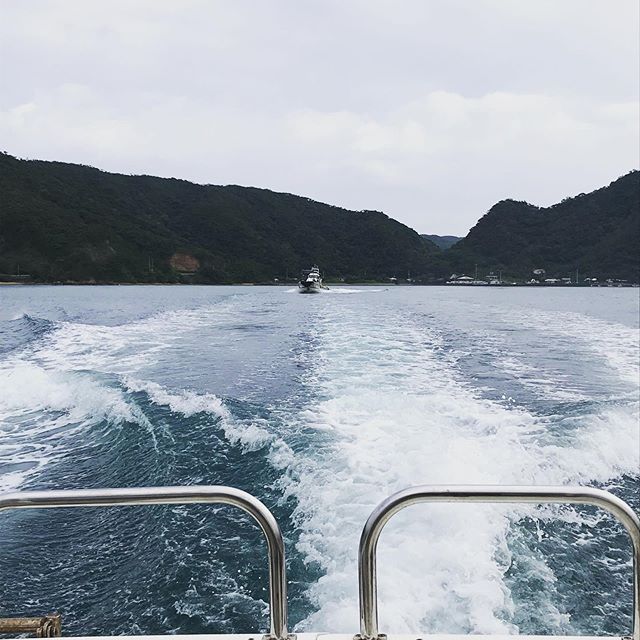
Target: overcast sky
{"points": [[429, 110]]}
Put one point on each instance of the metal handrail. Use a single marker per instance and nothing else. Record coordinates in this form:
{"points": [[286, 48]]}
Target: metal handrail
{"points": [[459, 493], [180, 495]]}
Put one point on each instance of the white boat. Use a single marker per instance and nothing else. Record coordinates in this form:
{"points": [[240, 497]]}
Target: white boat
{"points": [[311, 281]]}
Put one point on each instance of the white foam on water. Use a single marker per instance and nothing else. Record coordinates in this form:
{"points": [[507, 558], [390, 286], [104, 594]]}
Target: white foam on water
{"points": [[123, 348], [391, 409], [340, 290], [28, 388], [186, 402], [538, 381], [56, 385], [41, 409], [399, 413], [617, 344], [347, 290], [247, 433], [49, 390]]}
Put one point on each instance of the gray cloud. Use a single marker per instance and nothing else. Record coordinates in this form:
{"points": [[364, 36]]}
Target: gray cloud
{"points": [[430, 110]]}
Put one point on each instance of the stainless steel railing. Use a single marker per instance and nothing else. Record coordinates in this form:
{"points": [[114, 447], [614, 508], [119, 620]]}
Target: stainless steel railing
{"points": [[370, 534], [180, 495], [426, 493]]}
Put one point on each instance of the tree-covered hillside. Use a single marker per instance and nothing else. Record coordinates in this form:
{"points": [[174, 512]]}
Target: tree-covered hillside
{"points": [[65, 222], [597, 233], [71, 222], [444, 242]]}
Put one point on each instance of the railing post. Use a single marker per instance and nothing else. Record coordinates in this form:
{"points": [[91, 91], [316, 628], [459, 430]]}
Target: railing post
{"points": [[49, 626], [367, 577], [180, 495]]}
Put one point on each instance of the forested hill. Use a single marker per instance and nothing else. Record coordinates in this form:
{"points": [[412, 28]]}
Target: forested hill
{"points": [[72, 222], [597, 233], [66, 222], [444, 242]]}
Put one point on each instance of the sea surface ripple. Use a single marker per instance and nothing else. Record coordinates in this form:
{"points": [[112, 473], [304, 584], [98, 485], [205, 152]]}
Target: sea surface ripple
{"points": [[321, 406]]}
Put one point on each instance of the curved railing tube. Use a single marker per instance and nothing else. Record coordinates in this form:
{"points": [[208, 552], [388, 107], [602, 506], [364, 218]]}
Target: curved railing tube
{"points": [[179, 495], [453, 493]]}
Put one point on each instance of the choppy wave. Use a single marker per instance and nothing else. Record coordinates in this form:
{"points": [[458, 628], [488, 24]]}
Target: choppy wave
{"points": [[401, 414], [18, 332], [617, 344], [322, 409], [41, 410]]}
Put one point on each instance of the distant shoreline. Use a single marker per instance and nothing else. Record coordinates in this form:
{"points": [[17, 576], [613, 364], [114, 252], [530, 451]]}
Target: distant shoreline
{"points": [[515, 285]]}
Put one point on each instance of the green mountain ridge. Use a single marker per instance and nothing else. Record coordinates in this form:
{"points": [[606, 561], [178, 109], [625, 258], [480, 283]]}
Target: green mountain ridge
{"points": [[69, 222], [596, 233], [72, 222], [444, 242]]}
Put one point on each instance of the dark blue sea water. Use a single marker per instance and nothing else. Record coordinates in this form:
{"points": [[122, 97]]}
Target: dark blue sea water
{"points": [[321, 406]]}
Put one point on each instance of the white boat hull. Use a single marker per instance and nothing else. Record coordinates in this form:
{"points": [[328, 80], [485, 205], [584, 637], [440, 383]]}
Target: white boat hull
{"points": [[311, 281], [313, 288]]}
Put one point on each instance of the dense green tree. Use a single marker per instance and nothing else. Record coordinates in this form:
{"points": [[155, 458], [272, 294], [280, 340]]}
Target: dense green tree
{"points": [[597, 233], [70, 222], [75, 223]]}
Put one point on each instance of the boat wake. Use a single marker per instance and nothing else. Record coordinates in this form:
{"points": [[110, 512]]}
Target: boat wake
{"points": [[322, 411], [400, 413]]}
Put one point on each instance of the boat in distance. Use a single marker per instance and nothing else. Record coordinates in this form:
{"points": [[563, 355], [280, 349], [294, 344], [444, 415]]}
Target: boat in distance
{"points": [[311, 281]]}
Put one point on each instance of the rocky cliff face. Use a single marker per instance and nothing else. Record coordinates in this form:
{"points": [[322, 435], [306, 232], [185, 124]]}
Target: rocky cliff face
{"points": [[184, 263]]}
